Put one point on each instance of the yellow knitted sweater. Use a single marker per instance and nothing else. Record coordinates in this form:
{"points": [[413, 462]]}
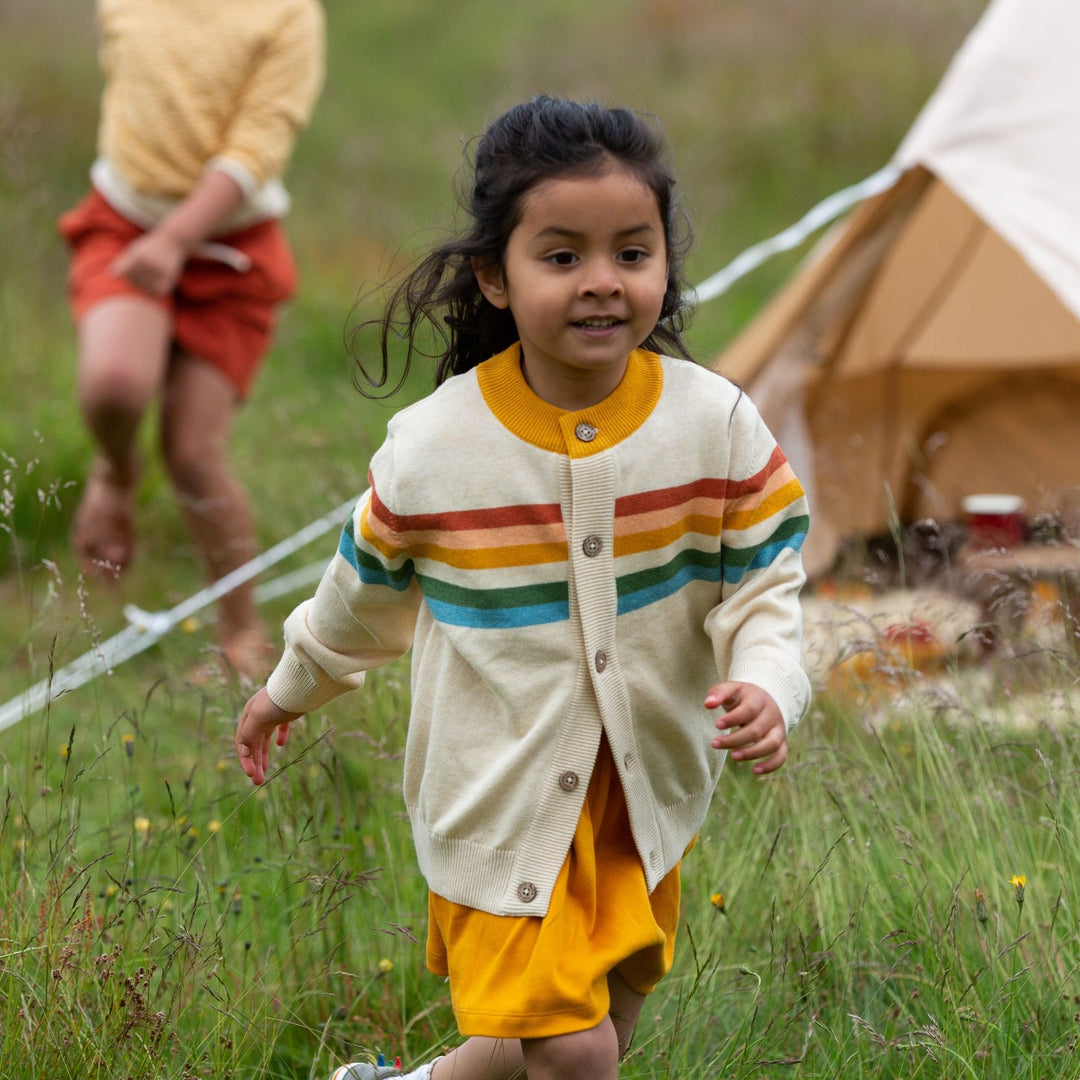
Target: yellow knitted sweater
{"points": [[195, 82]]}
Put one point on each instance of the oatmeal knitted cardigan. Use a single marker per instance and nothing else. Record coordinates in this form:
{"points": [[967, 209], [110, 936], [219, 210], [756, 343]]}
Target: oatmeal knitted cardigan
{"points": [[558, 574]]}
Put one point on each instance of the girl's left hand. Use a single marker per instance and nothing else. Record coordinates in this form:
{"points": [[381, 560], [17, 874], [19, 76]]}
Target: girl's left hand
{"points": [[753, 724], [260, 723]]}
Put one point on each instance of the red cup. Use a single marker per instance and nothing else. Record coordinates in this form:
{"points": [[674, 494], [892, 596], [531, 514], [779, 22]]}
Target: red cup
{"points": [[994, 520]]}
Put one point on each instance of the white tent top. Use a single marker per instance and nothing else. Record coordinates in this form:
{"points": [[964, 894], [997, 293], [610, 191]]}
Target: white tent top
{"points": [[1001, 130]]}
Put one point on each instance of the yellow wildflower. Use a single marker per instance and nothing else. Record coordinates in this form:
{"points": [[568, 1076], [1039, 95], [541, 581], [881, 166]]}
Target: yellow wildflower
{"points": [[717, 901], [214, 826], [129, 743], [1019, 883], [385, 966], [142, 825], [65, 751]]}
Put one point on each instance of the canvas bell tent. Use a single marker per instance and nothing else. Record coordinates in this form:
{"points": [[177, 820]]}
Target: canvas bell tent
{"points": [[929, 346]]}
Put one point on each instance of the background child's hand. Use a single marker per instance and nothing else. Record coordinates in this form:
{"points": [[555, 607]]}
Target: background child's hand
{"points": [[753, 722], [258, 722], [152, 262]]}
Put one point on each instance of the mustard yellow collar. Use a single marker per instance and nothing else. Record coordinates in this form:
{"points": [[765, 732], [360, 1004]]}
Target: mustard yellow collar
{"points": [[547, 426]]}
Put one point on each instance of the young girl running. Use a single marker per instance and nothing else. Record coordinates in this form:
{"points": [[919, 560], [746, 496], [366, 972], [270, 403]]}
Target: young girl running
{"points": [[589, 547]]}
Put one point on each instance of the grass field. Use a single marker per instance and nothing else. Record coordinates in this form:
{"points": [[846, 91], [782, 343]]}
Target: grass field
{"points": [[158, 918]]}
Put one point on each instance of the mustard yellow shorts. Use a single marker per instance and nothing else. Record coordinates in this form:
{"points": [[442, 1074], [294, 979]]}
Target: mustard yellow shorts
{"points": [[532, 977]]}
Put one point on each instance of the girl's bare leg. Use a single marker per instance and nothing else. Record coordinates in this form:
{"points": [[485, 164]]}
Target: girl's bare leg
{"points": [[480, 1058], [197, 410], [582, 1055], [589, 1055], [626, 1005], [123, 356]]}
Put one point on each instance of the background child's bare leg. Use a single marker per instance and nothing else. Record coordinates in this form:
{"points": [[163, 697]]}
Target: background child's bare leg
{"points": [[123, 355], [198, 405]]}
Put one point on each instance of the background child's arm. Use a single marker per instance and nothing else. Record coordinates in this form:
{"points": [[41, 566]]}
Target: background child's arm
{"points": [[753, 722], [260, 719], [154, 261]]}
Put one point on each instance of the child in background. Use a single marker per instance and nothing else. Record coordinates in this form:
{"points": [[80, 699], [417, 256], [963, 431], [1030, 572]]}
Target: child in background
{"points": [[588, 546], [178, 263]]}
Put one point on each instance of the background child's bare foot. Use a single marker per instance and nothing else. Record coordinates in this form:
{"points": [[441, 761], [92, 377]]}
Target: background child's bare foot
{"points": [[103, 531], [250, 653]]}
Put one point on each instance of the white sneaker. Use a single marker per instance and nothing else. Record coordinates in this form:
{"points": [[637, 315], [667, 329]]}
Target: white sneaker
{"points": [[363, 1070]]}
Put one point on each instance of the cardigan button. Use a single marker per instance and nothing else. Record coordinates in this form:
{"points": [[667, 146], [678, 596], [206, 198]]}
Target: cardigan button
{"points": [[569, 780], [600, 660], [592, 546], [585, 432], [526, 892]]}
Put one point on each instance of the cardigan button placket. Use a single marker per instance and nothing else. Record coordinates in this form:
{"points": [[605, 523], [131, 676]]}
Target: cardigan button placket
{"points": [[569, 780], [585, 432], [526, 892], [600, 660], [592, 546]]}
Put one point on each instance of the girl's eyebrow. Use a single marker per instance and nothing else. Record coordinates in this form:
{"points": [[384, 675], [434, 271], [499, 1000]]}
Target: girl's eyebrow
{"points": [[576, 234]]}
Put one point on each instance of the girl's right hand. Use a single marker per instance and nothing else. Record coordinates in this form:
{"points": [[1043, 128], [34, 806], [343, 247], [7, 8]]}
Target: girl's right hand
{"points": [[259, 720]]}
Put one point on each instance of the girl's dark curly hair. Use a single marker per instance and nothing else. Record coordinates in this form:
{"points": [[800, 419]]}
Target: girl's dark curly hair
{"points": [[541, 139]]}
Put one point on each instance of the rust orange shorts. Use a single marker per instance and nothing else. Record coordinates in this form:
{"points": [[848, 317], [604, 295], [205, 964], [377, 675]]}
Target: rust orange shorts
{"points": [[529, 977], [221, 315]]}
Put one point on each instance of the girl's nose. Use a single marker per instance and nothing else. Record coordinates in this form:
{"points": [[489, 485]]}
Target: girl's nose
{"points": [[600, 278]]}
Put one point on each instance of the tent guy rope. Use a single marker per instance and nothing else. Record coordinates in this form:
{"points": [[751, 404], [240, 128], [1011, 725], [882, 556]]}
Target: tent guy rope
{"points": [[149, 627], [820, 215]]}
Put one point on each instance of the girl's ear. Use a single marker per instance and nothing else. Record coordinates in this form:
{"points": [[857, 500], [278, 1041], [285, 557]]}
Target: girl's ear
{"points": [[489, 277]]}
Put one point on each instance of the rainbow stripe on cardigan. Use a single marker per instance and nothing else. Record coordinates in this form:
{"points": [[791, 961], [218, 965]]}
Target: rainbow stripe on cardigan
{"points": [[710, 530]]}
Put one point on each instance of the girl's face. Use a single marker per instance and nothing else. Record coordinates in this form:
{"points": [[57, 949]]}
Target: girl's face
{"points": [[584, 276]]}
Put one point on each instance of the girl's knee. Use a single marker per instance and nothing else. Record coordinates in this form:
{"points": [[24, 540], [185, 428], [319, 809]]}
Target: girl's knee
{"points": [[582, 1055]]}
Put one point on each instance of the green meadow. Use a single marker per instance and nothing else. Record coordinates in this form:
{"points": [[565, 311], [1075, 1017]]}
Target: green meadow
{"points": [[901, 900]]}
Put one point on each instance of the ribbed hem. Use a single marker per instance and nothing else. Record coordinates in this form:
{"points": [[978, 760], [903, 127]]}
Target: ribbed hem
{"points": [[265, 202], [294, 688], [787, 685]]}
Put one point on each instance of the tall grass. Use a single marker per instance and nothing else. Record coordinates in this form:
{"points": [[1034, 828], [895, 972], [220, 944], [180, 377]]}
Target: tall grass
{"points": [[161, 919]]}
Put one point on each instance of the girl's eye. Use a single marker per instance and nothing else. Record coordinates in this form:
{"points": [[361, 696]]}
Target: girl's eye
{"points": [[633, 255], [563, 258]]}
